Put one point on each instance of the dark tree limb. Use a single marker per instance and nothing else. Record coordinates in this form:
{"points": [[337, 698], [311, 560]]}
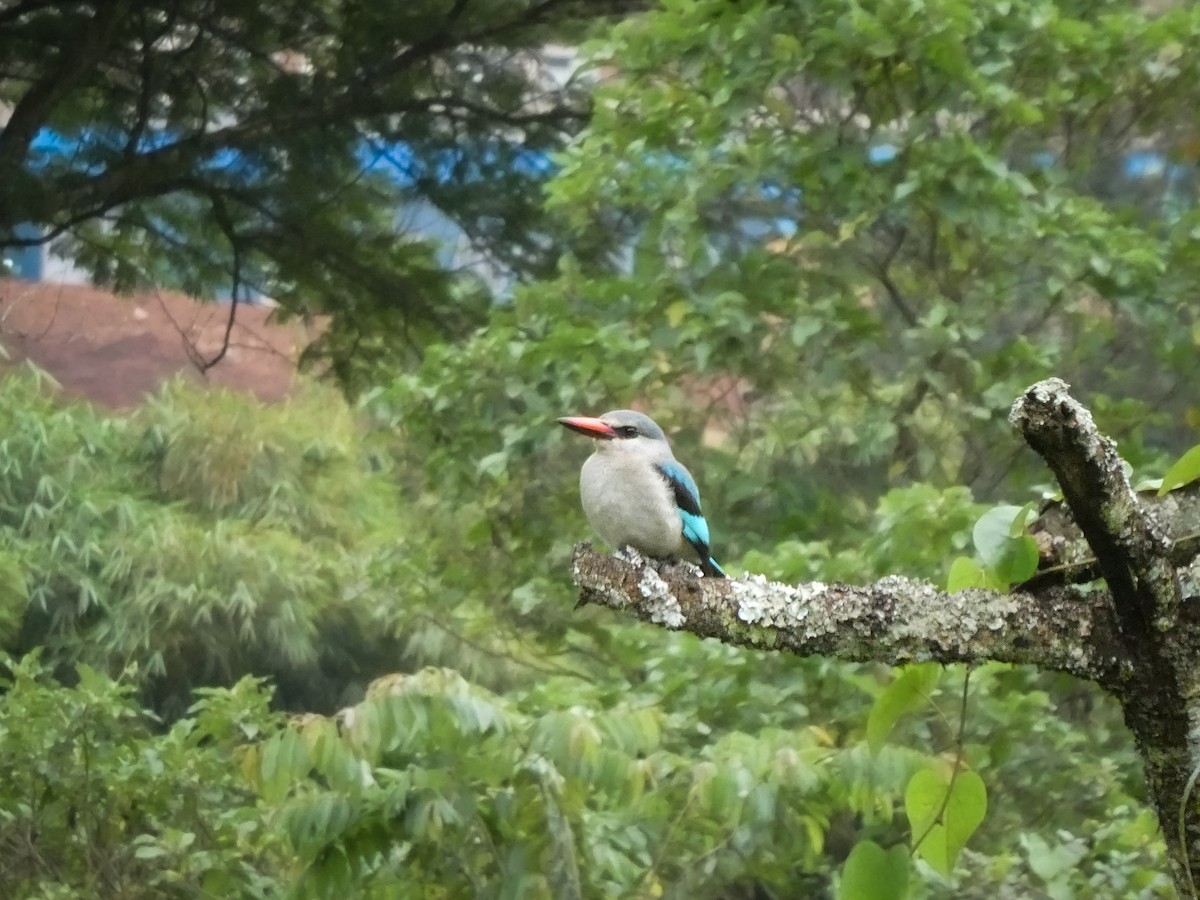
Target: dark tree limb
{"points": [[1161, 695], [82, 51], [1139, 639], [1131, 548]]}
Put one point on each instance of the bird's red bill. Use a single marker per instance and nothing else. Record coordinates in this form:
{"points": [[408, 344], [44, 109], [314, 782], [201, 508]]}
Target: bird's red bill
{"points": [[593, 428]]}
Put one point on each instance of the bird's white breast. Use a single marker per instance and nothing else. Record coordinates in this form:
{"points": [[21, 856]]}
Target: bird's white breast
{"points": [[628, 502]]}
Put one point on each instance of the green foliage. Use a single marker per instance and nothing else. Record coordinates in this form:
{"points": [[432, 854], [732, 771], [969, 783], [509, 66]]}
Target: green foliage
{"points": [[871, 873], [852, 234], [911, 220], [1076, 777], [202, 539], [565, 752], [432, 775], [98, 800], [1183, 471]]}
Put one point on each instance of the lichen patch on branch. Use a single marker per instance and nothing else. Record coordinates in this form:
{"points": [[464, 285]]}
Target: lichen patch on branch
{"points": [[759, 602], [661, 606]]}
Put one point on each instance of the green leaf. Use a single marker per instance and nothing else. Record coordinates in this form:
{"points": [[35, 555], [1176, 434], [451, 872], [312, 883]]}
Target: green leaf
{"points": [[1048, 862], [1003, 545], [965, 811], [872, 873], [993, 532], [1021, 521], [493, 464], [923, 800], [1185, 470], [149, 851], [908, 692], [1019, 562], [943, 814], [314, 821], [966, 573], [284, 761]]}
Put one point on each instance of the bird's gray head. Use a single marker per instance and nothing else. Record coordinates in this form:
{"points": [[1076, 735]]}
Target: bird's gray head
{"points": [[616, 426]]}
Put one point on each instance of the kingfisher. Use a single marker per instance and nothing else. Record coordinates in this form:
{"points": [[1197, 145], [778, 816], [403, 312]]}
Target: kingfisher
{"points": [[636, 493]]}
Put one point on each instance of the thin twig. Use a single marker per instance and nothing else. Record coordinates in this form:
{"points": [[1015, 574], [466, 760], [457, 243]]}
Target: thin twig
{"points": [[225, 223], [1183, 805]]}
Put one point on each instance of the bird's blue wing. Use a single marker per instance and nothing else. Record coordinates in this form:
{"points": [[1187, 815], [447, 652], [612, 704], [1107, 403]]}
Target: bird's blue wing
{"points": [[687, 499], [679, 479]]}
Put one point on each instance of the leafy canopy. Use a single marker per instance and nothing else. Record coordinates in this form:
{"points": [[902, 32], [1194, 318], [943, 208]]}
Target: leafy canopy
{"points": [[293, 148]]}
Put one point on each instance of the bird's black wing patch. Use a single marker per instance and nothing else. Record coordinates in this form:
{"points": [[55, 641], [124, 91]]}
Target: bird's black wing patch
{"points": [[691, 520], [687, 497]]}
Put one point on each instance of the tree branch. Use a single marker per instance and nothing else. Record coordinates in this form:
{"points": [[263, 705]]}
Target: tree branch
{"points": [[80, 53], [1131, 547], [225, 223], [1160, 695], [895, 620]]}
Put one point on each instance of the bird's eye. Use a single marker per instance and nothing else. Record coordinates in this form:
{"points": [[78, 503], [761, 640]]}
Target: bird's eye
{"points": [[627, 431]]}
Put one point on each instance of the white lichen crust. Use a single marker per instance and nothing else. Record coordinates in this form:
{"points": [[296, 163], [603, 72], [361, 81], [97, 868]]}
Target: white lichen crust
{"points": [[657, 601]]}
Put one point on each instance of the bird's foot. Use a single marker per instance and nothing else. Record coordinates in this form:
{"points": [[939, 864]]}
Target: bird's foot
{"points": [[671, 566], [632, 555], [681, 568]]}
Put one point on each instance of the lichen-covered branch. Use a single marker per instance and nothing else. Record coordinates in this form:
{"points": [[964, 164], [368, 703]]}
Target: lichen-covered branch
{"points": [[1131, 548], [1161, 637], [1067, 558], [1161, 697], [895, 620]]}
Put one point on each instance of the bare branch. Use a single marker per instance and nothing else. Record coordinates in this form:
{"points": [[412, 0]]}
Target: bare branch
{"points": [[235, 248]]}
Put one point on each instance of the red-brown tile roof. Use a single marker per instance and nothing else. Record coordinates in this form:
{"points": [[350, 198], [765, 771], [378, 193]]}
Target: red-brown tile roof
{"points": [[114, 350]]}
